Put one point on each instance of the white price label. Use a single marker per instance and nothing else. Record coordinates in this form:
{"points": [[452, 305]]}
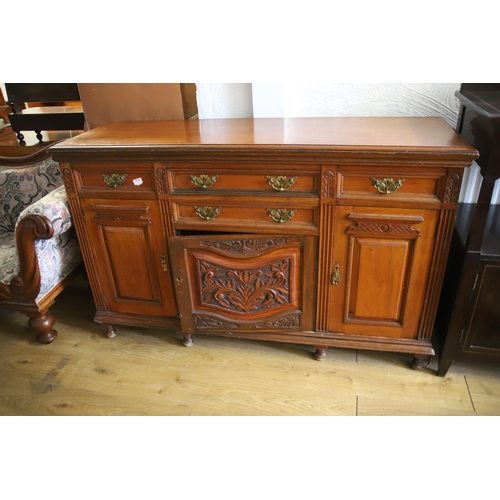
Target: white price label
{"points": [[137, 182]]}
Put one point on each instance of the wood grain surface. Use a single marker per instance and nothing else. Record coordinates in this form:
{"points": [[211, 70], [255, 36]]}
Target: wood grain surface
{"points": [[148, 372]]}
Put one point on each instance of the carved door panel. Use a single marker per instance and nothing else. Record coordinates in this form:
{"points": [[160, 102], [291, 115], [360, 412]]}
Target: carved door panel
{"points": [[131, 256], [245, 283], [380, 267]]}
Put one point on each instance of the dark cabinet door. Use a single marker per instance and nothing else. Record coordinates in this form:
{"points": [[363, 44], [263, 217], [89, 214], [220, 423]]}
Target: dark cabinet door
{"points": [[484, 327], [245, 283], [130, 253]]}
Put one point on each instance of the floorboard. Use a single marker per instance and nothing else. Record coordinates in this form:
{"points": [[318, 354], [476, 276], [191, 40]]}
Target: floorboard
{"points": [[149, 372]]}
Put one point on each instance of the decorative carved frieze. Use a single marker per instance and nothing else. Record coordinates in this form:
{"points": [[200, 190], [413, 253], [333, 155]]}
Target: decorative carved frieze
{"points": [[383, 227], [244, 246], [285, 322], [121, 217], [209, 322]]}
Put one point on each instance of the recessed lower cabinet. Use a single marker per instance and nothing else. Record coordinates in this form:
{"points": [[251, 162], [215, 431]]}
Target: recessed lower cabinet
{"points": [[329, 232], [245, 285]]}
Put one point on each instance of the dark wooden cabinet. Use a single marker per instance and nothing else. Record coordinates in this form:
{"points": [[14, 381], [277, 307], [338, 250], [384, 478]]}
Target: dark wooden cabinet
{"points": [[484, 329], [318, 231], [468, 320]]}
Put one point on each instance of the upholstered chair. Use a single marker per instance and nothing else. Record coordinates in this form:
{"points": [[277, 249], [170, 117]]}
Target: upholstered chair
{"points": [[39, 251]]}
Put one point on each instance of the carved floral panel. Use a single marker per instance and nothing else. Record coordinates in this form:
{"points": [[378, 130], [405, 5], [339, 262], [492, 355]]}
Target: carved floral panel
{"points": [[245, 291]]}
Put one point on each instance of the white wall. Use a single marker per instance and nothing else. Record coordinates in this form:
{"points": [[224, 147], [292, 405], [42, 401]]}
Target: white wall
{"points": [[372, 99], [266, 100], [239, 100], [224, 100]]}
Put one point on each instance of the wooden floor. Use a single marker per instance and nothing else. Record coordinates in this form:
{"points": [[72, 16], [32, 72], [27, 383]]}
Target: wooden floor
{"points": [[149, 372]]}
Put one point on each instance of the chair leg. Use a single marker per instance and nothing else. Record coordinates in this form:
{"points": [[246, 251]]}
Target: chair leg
{"points": [[42, 323], [20, 138]]}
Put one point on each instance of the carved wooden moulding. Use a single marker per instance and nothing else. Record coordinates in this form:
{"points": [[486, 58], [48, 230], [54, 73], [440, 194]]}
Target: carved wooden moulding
{"points": [[389, 225], [209, 322], [247, 246]]}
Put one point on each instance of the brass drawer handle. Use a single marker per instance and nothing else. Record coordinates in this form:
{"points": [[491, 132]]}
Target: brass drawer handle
{"points": [[204, 181], [207, 213], [387, 185], [281, 214], [281, 183], [114, 180], [336, 274]]}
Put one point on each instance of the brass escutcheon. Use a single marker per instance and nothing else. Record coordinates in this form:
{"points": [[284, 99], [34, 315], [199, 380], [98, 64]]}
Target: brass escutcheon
{"points": [[207, 213], [336, 274], [387, 185], [114, 180], [164, 262], [204, 181], [281, 183], [281, 214]]}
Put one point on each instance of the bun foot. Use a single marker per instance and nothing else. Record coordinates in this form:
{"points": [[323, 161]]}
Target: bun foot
{"points": [[110, 330], [420, 361], [320, 353], [187, 341], [47, 338], [42, 325]]}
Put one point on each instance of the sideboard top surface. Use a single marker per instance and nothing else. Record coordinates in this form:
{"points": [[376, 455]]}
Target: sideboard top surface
{"points": [[339, 134]]}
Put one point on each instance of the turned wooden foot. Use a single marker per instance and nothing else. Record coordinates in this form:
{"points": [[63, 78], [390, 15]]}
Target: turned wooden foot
{"points": [[20, 138], [42, 324], [187, 340], [110, 330], [420, 361], [320, 353]]}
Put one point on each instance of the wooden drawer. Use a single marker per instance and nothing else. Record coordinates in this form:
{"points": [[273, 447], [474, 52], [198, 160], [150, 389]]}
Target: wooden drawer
{"points": [[240, 178], [389, 186], [232, 213], [116, 179]]}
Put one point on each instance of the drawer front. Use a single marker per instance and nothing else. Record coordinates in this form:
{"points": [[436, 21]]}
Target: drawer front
{"points": [[390, 185], [229, 214], [115, 178], [240, 178]]}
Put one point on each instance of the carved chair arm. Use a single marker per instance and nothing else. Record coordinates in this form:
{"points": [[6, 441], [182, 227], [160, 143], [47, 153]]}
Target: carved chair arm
{"points": [[26, 285]]}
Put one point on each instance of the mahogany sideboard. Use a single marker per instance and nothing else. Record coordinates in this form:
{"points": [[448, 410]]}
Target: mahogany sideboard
{"points": [[318, 231]]}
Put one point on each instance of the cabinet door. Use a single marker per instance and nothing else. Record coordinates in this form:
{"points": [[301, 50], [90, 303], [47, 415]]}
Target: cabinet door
{"points": [[245, 283], [131, 256], [380, 268], [483, 335]]}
